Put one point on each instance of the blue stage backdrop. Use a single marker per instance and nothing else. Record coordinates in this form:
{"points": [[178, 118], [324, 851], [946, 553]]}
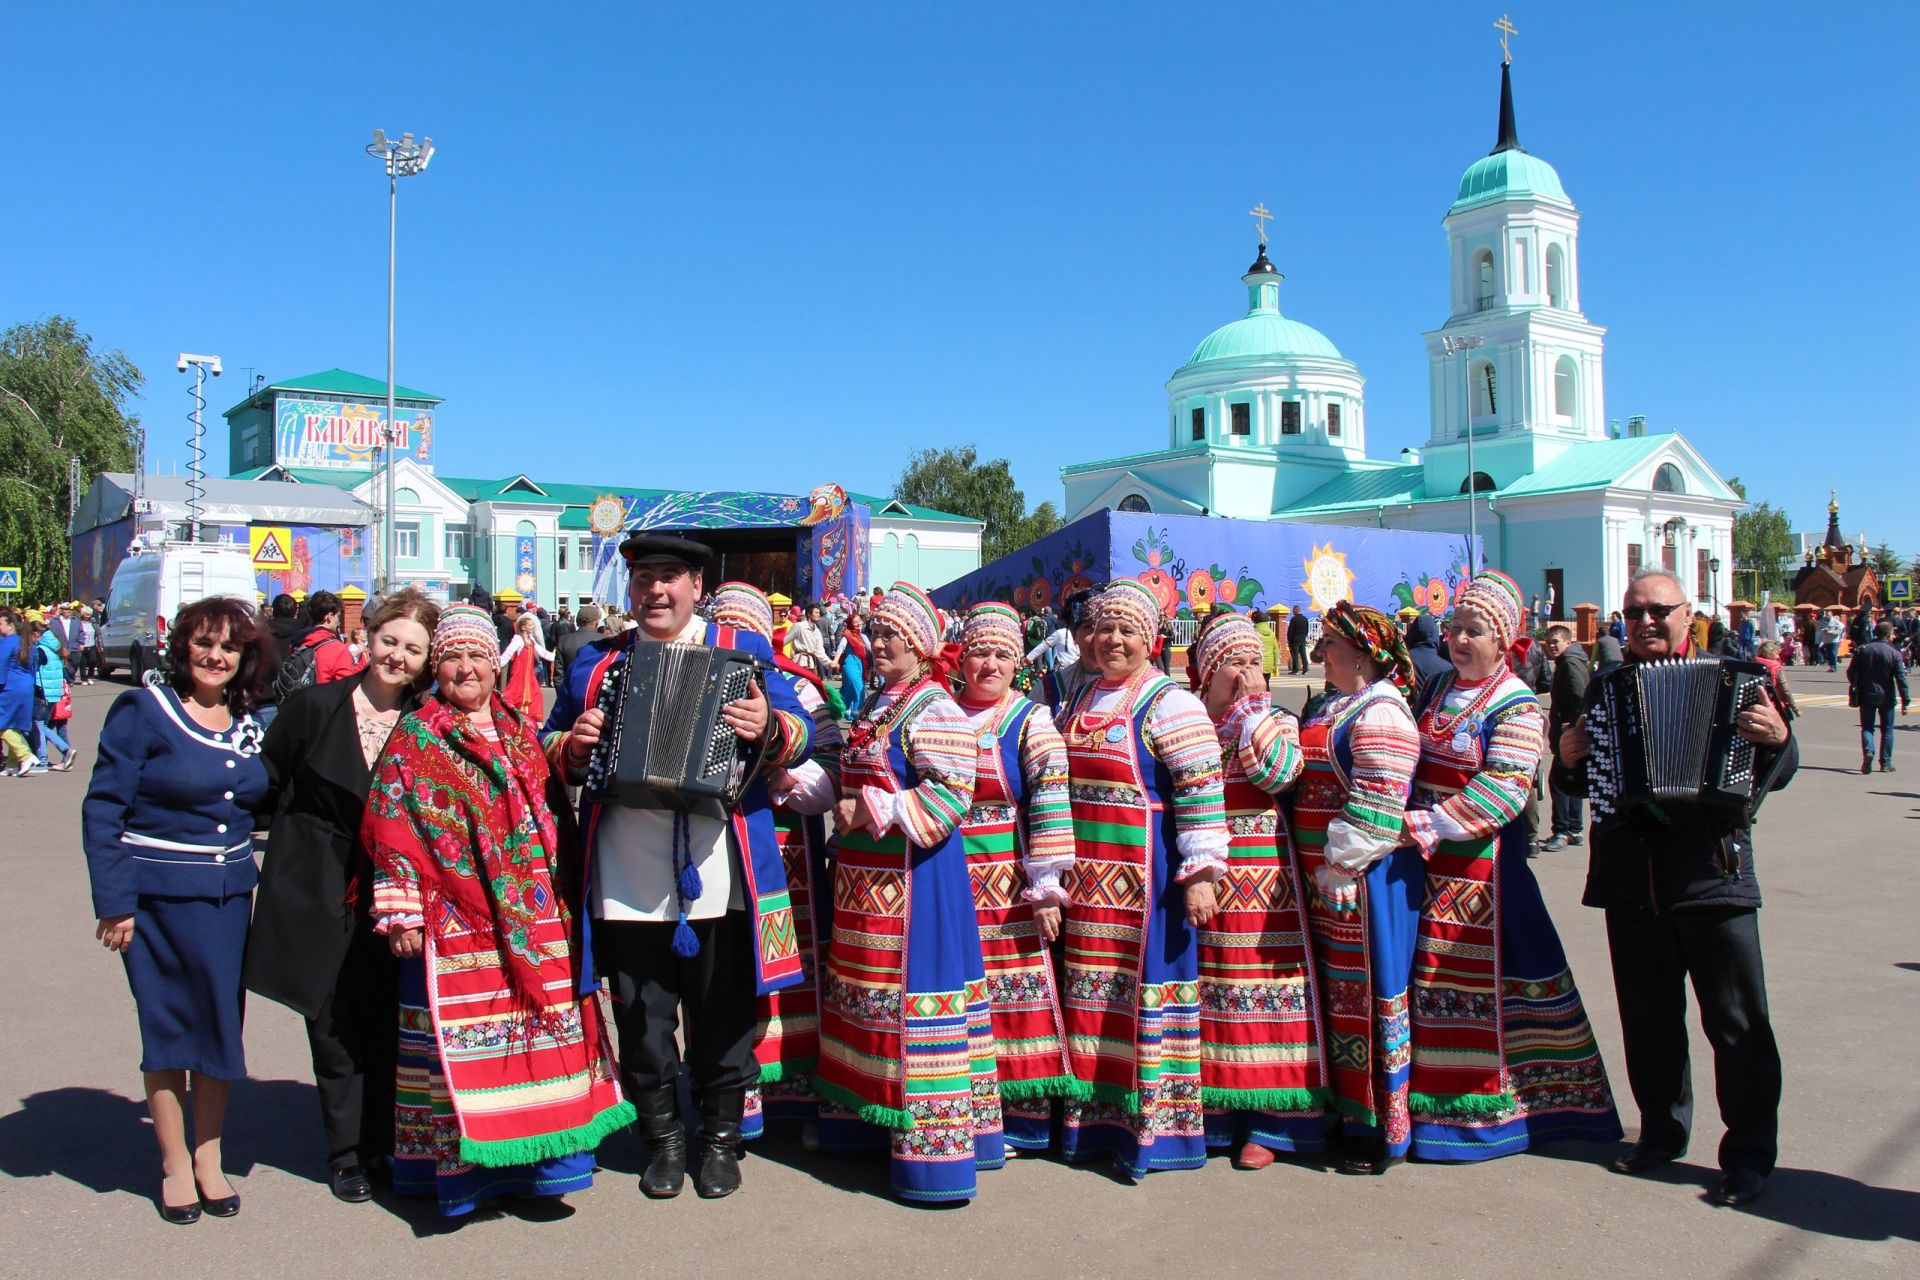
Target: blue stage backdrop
{"points": [[1197, 563]]}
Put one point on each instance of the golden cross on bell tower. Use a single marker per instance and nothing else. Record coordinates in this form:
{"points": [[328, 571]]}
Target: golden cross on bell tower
{"points": [[1506, 28], [1261, 218]]}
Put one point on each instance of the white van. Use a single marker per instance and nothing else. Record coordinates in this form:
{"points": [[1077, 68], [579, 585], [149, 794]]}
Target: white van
{"points": [[151, 587]]}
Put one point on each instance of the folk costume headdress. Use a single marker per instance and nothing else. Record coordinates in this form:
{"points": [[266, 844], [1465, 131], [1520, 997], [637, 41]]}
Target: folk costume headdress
{"points": [[464, 629], [1224, 636], [909, 611], [1133, 602], [993, 626], [1495, 597], [1376, 635], [745, 606]]}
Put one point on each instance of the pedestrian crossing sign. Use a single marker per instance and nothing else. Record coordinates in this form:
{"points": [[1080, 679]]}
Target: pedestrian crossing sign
{"points": [[1899, 589], [272, 547], [9, 577]]}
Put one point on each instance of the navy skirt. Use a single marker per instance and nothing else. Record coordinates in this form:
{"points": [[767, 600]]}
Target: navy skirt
{"points": [[184, 967]]}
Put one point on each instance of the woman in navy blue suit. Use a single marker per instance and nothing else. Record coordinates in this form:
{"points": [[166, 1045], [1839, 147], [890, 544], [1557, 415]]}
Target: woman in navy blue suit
{"points": [[167, 826]]}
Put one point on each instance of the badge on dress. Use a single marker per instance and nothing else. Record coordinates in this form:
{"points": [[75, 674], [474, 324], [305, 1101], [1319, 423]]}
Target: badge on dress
{"points": [[1116, 733], [1460, 741], [986, 741]]}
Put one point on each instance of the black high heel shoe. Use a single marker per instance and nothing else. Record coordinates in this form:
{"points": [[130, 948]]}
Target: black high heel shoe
{"points": [[184, 1215]]}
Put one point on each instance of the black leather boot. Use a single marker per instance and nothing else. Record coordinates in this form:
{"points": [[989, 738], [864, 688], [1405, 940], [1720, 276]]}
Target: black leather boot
{"points": [[659, 1123], [719, 1171]]}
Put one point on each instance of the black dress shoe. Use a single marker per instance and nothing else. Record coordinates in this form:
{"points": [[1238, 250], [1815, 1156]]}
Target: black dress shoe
{"points": [[718, 1173], [1742, 1186], [180, 1216], [659, 1124], [351, 1184], [224, 1207], [1644, 1156]]}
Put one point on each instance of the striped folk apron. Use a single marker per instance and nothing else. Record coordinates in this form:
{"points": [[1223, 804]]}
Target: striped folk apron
{"points": [[1028, 1032], [788, 1044], [1363, 953], [1263, 1074], [1132, 997], [1503, 1054], [906, 1037]]}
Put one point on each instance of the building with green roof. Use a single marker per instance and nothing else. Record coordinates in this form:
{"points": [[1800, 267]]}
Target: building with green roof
{"points": [[1267, 421]]}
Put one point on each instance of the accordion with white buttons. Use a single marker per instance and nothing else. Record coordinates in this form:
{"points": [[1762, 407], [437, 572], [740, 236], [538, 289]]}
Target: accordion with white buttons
{"points": [[1664, 732], [664, 744]]}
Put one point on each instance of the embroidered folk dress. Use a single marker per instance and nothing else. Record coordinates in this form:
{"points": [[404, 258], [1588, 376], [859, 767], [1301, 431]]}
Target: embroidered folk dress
{"points": [[506, 1080], [1263, 1070], [1144, 770], [1019, 840], [1503, 1054], [787, 1045], [906, 1040], [1348, 809]]}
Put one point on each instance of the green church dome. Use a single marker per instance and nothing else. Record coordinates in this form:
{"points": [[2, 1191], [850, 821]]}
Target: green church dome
{"points": [[1260, 334], [1508, 175]]}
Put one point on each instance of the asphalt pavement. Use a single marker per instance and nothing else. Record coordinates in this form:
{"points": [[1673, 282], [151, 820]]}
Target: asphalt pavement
{"points": [[1837, 852]]}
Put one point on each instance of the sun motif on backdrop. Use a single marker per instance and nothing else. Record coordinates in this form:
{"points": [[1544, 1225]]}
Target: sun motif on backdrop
{"points": [[1329, 581], [607, 514]]}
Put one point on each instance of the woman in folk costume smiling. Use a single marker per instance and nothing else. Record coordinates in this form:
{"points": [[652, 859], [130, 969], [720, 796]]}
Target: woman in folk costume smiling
{"points": [[1151, 841], [1503, 1056], [1263, 1075], [1366, 891], [787, 1046], [506, 1079], [1019, 839], [906, 1039]]}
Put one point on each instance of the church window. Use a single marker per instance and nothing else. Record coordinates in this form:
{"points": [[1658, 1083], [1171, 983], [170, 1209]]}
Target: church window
{"points": [[1481, 482], [1290, 417], [562, 550], [1333, 421], [1634, 556], [1556, 276], [1483, 281], [1703, 575], [1199, 424], [1564, 387], [1485, 397], [1134, 502], [1668, 479], [1242, 419]]}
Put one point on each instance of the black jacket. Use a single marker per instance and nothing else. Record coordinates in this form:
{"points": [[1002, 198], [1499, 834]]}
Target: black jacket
{"points": [[1296, 630], [317, 781], [568, 649], [1875, 673], [1569, 691], [1697, 858], [1422, 635]]}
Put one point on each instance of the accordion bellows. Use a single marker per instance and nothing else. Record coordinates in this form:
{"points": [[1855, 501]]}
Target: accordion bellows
{"points": [[1664, 731], [664, 744]]}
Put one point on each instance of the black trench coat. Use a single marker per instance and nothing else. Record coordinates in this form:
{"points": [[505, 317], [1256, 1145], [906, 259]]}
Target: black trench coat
{"points": [[303, 916]]}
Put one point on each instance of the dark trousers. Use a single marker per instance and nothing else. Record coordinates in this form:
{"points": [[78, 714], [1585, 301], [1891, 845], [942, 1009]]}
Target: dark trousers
{"points": [[1883, 716], [1569, 816], [652, 987], [1719, 949], [1296, 659], [353, 1041]]}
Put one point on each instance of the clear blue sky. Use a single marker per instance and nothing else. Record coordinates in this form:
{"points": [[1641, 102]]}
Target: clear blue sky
{"points": [[767, 245]]}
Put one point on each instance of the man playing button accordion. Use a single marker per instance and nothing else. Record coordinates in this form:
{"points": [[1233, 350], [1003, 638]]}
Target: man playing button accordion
{"points": [[686, 910], [1677, 882]]}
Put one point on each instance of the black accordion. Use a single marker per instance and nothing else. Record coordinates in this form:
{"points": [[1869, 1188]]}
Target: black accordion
{"points": [[1664, 731], [664, 744]]}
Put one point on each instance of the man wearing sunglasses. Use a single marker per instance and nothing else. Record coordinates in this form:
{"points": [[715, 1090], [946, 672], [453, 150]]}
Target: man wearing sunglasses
{"points": [[1682, 902]]}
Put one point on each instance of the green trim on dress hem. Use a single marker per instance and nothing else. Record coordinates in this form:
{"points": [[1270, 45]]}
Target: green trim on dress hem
{"points": [[1461, 1106], [1045, 1087], [507, 1152], [775, 1072], [1277, 1101], [871, 1112]]}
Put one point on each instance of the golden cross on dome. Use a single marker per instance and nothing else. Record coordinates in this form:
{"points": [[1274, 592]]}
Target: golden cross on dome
{"points": [[1506, 28], [1261, 218]]}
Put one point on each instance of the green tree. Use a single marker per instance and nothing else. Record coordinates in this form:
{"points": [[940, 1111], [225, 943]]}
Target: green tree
{"points": [[956, 480], [1762, 546], [59, 399], [1885, 561]]}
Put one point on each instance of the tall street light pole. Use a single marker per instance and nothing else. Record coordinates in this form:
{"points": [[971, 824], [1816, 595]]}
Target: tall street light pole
{"points": [[403, 159], [1454, 347]]}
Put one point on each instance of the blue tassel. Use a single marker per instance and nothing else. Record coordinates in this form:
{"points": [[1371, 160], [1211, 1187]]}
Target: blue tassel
{"points": [[689, 883], [685, 945]]}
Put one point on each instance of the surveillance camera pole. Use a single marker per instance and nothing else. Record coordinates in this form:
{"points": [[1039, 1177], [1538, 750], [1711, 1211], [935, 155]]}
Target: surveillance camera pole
{"points": [[1458, 346]]}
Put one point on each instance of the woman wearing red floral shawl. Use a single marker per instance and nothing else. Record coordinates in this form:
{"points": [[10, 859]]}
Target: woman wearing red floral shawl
{"points": [[506, 1081]]}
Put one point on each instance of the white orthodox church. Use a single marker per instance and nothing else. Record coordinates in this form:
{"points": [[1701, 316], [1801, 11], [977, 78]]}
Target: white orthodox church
{"points": [[1267, 421]]}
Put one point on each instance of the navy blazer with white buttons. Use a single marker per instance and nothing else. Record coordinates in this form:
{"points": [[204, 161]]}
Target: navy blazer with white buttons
{"points": [[169, 812]]}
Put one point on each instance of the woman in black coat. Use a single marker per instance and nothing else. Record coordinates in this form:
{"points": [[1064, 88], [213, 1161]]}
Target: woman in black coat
{"points": [[313, 948]]}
